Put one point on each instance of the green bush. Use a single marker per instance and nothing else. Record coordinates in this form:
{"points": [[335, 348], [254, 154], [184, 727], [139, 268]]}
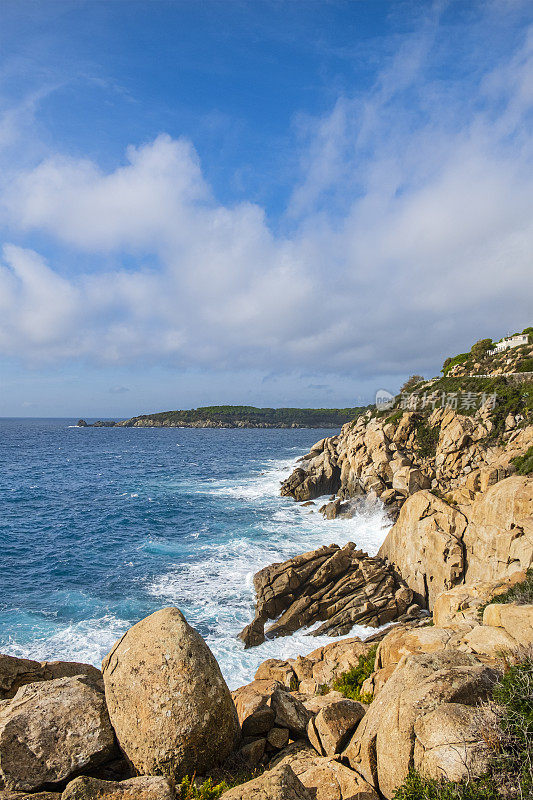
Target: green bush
{"points": [[396, 417], [526, 365], [520, 593], [452, 362], [524, 463], [427, 439], [480, 348], [415, 787], [350, 682], [189, 790]]}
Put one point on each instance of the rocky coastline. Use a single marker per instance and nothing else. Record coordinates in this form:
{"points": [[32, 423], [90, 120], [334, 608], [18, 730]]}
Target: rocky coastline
{"points": [[450, 594]]}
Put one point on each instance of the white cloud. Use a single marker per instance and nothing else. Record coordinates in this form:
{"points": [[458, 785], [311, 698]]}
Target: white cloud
{"points": [[409, 234]]}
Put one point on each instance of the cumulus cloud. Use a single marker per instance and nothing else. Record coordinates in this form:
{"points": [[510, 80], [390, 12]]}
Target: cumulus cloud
{"points": [[408, 235]]}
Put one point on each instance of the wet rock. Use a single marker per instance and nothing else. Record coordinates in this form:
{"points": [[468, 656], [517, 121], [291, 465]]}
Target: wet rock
{"points": [[339, 586]]}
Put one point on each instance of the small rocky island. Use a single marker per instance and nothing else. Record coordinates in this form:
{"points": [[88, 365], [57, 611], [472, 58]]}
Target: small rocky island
{"points": [[236, 417]]}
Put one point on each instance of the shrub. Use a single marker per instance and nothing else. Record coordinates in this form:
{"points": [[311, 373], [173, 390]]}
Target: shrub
{"points": [[480, 348], [524, 463], [452, 362], [411, 382], [350, 682], [520, 593], [189, 790], [396, 417], [526, 365], [415, 787], [427, 439]]}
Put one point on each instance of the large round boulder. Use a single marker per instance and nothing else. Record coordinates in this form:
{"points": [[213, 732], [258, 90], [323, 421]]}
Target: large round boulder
{"points": [[168, 702]]}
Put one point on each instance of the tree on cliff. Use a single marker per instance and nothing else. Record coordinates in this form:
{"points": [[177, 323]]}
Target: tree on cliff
{"points": [[480, 348]]}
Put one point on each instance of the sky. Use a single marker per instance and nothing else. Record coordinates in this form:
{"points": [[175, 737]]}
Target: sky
{"points": [[264, 202]]}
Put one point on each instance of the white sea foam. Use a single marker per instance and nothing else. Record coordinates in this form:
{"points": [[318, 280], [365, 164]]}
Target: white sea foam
{"points": [[216, 591], [214, 587], [87, 641]]}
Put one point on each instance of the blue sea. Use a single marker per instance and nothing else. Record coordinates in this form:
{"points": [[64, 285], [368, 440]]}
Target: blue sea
{"points": [[101, 526]]}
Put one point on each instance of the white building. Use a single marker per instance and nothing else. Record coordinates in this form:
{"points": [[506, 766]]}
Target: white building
{"points": [[510, 341]]}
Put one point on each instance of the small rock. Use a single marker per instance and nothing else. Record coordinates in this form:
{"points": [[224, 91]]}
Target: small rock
{"points": [[259, 723], [276, 784], [335, 723], [278, 737], [253, 752], [290, 712], [143, 788]]}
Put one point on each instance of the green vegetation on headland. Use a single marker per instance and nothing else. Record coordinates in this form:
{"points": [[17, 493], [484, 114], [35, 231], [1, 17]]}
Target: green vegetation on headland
{"points": [[482, 360], [241, 417]]}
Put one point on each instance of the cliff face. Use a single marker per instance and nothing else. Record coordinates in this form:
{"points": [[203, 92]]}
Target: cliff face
{"points": [[462, 514], [396, 456]]}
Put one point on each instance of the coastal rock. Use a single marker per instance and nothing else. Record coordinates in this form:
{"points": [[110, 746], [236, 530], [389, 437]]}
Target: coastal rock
{"points": [[425, 545], [290, 712], [450, 742], [252, 697], [277, 670], [167, 700], [52, 730], [515, 620], [383, 744], [278, 738], [276, 784], [324, 777], [499, 538], [462, 603], [334, 724], [253, 752], [408, 640], [407, 452], [143, 788], [17, 672], [5, 794], [339, 586], [259, 723], [319, 475]]}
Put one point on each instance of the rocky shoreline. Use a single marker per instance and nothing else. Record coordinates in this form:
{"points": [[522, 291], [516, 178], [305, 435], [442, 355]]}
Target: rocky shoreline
{"points": [[347, 721]]}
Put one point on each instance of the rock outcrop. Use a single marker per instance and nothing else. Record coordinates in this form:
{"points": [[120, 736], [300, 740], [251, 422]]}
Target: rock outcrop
{"points": [[394, 457], [16, 672], [382, 748], [52, 730], [437, 546], [325, 778], [339, 587], [167, 700]]}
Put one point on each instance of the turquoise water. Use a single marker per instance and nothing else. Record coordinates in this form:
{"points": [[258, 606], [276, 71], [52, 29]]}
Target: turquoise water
{"points": [[101, 526]]}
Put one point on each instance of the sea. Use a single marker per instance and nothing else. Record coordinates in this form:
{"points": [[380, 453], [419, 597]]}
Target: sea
{"points": [[99, 527]]}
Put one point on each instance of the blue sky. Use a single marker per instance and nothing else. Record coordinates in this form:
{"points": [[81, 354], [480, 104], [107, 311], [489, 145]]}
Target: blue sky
{"points": [[275, 203]]}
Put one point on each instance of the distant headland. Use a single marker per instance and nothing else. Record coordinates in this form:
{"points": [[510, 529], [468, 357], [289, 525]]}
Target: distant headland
{"points": [[237, 417]]}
